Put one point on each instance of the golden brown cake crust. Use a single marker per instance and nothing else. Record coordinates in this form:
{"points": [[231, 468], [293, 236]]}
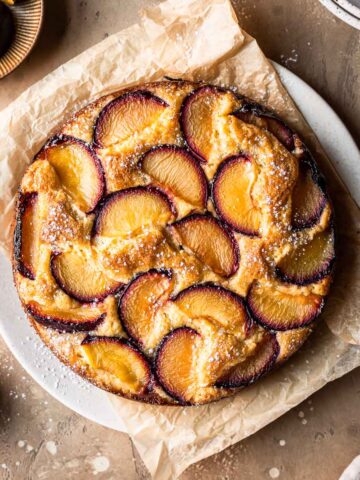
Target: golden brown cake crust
{"points": [[223, 267]]}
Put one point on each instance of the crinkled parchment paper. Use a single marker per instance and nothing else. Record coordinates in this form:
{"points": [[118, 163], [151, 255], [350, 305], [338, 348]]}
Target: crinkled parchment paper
{"points": [[195, 39]]}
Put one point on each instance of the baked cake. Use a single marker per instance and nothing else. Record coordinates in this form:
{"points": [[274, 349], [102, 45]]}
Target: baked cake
{"points": [[173, 242]]}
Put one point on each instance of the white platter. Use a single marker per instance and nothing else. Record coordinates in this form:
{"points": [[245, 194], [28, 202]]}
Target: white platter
{"points": [[78, 394], [346, 14]]}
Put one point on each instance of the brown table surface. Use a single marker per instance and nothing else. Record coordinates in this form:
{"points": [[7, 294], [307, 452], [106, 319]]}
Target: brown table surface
{"points": [[41, 439]]}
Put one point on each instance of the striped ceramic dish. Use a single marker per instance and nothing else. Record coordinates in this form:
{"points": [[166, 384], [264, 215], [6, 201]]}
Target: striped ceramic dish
{"points": [[342, 13], [351, 6], [28, 15]]}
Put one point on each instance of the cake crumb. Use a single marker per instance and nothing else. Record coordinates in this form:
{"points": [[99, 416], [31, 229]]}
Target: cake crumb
{"points": [[100, 464], [274, 472], [51, 447]]}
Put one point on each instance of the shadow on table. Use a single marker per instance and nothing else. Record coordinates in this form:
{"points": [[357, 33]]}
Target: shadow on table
{"points": [[6, 408]]}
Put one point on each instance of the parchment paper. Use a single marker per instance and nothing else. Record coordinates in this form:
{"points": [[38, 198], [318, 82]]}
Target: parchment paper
{"points": [[195, 39]]}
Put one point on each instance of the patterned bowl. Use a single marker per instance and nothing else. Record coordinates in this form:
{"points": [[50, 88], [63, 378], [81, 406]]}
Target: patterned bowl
{"points": [[28, 16]]}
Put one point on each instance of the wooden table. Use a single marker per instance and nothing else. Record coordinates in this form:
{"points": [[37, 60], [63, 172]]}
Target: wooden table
{"points": [[41, 439]]}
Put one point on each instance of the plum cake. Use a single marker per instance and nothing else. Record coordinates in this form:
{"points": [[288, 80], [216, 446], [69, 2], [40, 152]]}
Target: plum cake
{"points": [[173, 242]]}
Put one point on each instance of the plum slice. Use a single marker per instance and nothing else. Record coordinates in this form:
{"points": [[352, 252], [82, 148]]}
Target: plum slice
{"points": [[216, 304], [175, 363], [78, 275], [210, 241], [175, 168], [254, 366], [197, 119], [26, 234], [310, 262], [120, 358], [231, 194], [78, 168], [282, 309], [127, 115], [139, 302], [256, 115], [76, 320], [308, 199], [129, 211]]}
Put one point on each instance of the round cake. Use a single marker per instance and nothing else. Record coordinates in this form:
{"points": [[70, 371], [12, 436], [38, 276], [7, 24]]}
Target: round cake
{"points": [[173, 242]]}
